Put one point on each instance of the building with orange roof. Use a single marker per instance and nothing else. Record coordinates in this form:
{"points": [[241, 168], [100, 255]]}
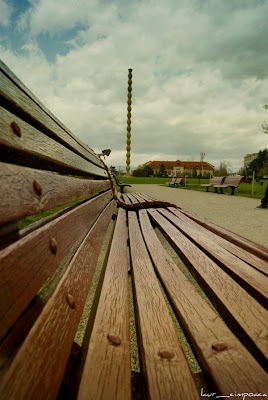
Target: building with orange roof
{"points": [[179, 168]]}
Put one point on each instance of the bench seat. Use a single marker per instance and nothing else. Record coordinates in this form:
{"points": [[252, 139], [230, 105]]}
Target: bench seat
{"points": [[106, 295]]}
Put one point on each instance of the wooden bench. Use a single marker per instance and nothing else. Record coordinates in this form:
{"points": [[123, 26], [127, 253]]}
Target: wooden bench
{"points": [[246, 180], [67, 281], [175, 182], [230, 182], [216, 180]]}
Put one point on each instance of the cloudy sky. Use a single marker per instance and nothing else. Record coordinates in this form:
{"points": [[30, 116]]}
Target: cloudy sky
{"points": [[200, 72]]}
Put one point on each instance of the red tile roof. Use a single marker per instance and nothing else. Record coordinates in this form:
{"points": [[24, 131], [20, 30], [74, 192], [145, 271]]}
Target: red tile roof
{"points": [[186, 164]]}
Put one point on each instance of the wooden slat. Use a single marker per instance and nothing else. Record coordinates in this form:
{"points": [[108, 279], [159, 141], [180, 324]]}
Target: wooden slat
{"points": [[244, 243], [107, 370], [39, 365], [204, 327], [235, 304], [167, 373], [19, 197], [251, 259], [36, 147], [25, 265], [132, 199], [29, 109], [140, 199], [247, 276]]}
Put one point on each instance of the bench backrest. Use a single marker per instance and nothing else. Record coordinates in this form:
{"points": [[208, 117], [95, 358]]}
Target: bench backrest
{"points": [[233, 180], [217, 180], [44, 168]]}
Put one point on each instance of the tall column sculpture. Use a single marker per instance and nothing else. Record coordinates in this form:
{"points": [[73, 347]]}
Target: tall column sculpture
{"points": [[129, 95]]}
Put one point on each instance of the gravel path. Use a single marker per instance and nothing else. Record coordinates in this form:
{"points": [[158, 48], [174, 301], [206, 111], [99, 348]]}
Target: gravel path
{"points": [[238, 214]]}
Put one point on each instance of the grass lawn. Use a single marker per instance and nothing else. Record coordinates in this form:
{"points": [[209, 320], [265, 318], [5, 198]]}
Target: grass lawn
{"points": [[244, 189]]}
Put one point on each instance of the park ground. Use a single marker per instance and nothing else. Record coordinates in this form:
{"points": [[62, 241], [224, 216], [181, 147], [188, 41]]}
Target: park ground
{"points": [[235, 213]]}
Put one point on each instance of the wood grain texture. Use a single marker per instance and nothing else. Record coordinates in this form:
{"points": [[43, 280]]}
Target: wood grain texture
{"points": [[244, 255], [133, 200], [35, 144], [19, 99], [107, 370], [26, 265], [39, 365], [247, 276], [222, 290], [204, 327], [19, 197], [244, 243], [167, 373]]}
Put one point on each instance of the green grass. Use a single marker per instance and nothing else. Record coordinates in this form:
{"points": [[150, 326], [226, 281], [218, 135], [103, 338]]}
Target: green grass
{"points": [[244, 189]]}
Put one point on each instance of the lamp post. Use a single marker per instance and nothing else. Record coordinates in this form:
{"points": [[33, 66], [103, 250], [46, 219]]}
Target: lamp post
{"points": [[129, 95]]}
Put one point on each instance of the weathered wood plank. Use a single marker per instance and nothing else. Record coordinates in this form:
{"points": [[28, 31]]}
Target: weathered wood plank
{"points": [[204, 327], [132, 199], [167, 372], [29, 109], [140, 199], [244, 255], [35, 145], [107, 370], [244, 243], [247, 276], [39, 365], [25, 265], [20, 195], [237, 307], [21, 86]]}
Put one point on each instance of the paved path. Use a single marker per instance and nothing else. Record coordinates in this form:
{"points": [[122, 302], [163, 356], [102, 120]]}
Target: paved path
{"points": [[238, 214]]}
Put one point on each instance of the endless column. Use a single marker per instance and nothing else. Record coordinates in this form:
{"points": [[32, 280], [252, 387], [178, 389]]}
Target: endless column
{"points": [[129, 95]]}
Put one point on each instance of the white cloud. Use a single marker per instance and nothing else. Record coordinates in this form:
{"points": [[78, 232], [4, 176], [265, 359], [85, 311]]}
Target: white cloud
{"points": [[5, 12], [199, 76]]}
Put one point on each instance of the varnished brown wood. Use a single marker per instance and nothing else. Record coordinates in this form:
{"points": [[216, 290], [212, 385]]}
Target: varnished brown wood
{"points": [[206, 330], [241, 271], [234, 303], [107, 371], [19, 197], [13, 97], [164, 361], [39, 365], [244, 243], [25, 265], [244, 255], [35, 144]]}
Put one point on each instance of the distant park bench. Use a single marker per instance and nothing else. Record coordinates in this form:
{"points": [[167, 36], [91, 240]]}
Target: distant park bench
{"points": [[246, 180], [230, 182], [47, 269], [175, 182], [216, 180]]}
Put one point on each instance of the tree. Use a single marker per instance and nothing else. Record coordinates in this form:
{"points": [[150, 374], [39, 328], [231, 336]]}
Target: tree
{"points": [[265, 126], [224, 169], [162, 171], [264, 169], [257, 164], [143, 170]]}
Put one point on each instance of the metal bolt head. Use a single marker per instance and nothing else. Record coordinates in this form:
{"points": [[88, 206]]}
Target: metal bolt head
{"points": [[70, 300], [220, 346], [166, 354], [37, 187], [115, 340], [16, 128], [53, 246]]}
